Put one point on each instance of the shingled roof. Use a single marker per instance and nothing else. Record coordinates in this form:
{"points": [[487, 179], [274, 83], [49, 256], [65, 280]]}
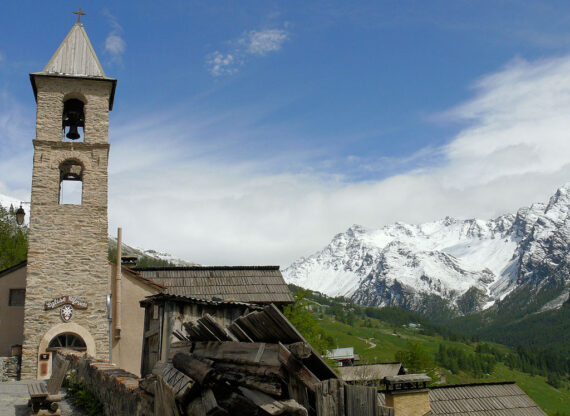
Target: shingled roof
{"points": [[253, 284], [492, 399]]}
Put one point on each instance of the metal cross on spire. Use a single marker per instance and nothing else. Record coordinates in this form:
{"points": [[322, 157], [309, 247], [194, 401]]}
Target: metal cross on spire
{"points": [[79, 14]]}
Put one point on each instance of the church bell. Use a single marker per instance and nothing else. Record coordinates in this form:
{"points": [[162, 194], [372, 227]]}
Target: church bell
{"points": [[73, 118]]}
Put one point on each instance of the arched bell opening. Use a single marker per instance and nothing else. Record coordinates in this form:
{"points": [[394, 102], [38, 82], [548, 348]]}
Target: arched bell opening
{"points": [[71, 182], [73, 120]]}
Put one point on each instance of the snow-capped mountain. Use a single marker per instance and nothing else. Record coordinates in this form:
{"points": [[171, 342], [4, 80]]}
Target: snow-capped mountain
{"points": [[469, 264], [140, 253]]}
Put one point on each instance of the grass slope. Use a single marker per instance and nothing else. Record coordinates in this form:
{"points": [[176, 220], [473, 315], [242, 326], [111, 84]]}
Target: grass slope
{"points": [[383, 341]]}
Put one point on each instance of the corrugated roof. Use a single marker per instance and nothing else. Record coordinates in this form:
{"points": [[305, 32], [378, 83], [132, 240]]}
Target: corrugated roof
{"points": [[494, 399], [75, 56], [345, 353], [253, 284], [369, 371], [489, 399]]}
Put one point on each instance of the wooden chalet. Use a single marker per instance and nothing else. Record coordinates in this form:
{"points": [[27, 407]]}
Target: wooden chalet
{"points": [[252, 284]]}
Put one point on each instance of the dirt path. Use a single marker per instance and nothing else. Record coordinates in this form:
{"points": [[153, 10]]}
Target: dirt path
{"points": [[372, 345]]}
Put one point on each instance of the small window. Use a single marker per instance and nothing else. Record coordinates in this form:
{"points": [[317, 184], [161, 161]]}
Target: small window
{"points": [[17, 297]]}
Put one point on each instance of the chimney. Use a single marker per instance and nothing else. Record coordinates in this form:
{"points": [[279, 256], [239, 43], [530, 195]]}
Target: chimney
{"points": [[408, 394]]}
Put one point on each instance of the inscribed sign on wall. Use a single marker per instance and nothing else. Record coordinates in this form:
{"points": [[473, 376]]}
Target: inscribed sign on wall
{"points": [[65, 300], [68, 302]]}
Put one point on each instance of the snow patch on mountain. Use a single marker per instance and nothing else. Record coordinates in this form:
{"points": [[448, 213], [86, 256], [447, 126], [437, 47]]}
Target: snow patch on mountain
{"points": [[399, 263]]}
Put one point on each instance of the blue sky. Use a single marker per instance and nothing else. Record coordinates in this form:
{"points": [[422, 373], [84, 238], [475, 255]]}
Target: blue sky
{"points": [[267, 127]]}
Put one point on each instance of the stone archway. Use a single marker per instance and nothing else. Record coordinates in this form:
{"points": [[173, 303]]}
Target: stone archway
{"points": [[45, 353]]}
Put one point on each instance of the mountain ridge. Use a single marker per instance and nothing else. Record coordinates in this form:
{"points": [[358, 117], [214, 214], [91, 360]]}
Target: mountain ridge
{"points": [[468, 265]]}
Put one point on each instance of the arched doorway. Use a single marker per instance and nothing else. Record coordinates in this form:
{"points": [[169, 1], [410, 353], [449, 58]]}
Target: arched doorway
{"points": [[67, 340], [66, 335]]}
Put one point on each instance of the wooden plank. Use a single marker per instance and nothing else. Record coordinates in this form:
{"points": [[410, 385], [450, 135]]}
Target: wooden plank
{"points": [[318, 365], [179, 346], [37, 389], [151, 332], [298, 392], [330, 398], [297, 368], [271, 405], [164, 399], [360, 401], [57, 376], [215, 328], [193, 368], [210, 404], [259, 354], [239, 333]]}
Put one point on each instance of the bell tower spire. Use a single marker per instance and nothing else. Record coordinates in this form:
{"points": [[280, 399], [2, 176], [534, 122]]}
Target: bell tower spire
{"points": [[67, 248]]}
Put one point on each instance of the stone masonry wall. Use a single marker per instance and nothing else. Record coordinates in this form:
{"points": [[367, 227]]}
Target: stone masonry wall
{"points": [[9, 368], [67, 250], [116, 389]]}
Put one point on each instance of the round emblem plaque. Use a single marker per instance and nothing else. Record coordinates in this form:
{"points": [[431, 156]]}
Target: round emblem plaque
{"points": [[66, 313]]}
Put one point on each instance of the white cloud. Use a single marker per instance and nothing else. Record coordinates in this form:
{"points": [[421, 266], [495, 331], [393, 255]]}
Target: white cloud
{"points": [[221, 64], [515, 150], [252, 43], [190, 197], [115, 45], [264, 41]]}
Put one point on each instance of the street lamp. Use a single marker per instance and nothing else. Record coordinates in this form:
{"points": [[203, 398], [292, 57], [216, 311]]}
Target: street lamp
{"points": [[20, 214]]}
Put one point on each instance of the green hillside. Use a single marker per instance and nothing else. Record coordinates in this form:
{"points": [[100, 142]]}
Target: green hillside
{"points": [[401, 335]]}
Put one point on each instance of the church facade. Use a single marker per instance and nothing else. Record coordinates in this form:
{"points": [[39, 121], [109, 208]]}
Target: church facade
{"points": [[67, 279]]}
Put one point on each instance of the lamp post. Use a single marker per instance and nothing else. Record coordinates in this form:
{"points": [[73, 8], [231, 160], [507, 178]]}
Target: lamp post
{"points": [[20, 214]]}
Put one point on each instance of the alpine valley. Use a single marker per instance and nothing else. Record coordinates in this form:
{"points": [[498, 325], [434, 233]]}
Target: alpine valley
{"points": [[451, 267]]}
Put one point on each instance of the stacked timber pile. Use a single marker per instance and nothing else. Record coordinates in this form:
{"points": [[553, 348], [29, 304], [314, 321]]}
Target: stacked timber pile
{"points": [[258, 365]]}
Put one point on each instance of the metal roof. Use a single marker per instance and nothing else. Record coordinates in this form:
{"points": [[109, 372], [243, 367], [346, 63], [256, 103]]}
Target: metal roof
{"points": [[160, 297], [75, 56], [254, 284], [368, 372], [346, 353]]}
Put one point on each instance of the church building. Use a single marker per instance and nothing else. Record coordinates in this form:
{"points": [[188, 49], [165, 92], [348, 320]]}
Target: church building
{"points": [[61, 296], [67, 279]]}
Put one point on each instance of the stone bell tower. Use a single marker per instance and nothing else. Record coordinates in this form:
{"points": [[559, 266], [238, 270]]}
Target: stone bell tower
{"points": [[67, 271]]}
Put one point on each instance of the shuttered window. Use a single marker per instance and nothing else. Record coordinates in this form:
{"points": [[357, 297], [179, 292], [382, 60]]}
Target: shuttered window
{"points": [[17, 297]]}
